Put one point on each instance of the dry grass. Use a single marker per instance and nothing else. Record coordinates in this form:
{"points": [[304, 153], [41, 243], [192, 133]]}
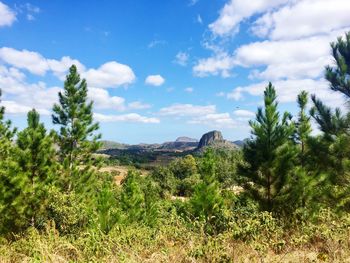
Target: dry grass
{"points": [[167, 243], [120, 172]]}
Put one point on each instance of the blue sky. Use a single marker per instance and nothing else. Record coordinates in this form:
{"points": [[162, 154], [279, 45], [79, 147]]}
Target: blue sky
{"points": [[162, 69]]}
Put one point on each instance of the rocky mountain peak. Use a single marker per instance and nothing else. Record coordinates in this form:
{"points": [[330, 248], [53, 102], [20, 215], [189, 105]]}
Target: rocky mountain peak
{"points": [[210, 138]]}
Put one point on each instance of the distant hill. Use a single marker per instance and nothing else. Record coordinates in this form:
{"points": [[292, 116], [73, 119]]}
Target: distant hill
{"points": [[144, 153], [239, 143], [113, 145], [185, 139]]}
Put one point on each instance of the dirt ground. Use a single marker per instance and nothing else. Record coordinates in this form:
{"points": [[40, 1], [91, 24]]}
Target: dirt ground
{"points": [[120, 172]]}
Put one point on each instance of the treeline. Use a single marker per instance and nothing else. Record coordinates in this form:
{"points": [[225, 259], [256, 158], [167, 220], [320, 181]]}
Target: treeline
{"points": [[284, 178]]}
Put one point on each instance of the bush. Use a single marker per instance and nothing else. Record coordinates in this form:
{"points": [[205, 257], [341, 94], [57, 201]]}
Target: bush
{"points": [[66, 210]]}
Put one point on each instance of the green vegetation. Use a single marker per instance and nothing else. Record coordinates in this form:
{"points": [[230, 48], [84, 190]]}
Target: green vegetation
{"points": [[284, 197]]}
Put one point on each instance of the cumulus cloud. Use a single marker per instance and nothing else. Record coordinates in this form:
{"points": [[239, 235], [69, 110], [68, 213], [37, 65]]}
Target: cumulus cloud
{"points": [[288, 90], [155, 80], [102, 100], [235, 11], [201, 115], [244, 113], [21, 95], [219, 120], [187, 110], [220, 64], [15, 88], [300, 58], [181, 58], [7, 15], [60, 67], [292, 54], [130, 117], [13, 107], [303, 18], [34, 62], [110, 74], [299, 33], [138, 105]]}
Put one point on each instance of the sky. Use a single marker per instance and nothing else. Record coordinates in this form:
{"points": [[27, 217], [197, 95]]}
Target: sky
{"points": [[160, 69]]}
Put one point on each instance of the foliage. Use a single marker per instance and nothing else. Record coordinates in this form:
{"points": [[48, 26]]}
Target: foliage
{"points": [[76, 137], [207, 202], [269, 154], [166, 180], [132, 197]]}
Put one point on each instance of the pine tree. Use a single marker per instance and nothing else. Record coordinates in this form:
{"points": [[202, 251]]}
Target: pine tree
{"points": [[339, 76], [106, 206], [269, 154], [27, 178], [207, 202], [132, 198], [9, 181], [303, 125], [330, 122], [306, 178], [36, 158], [331, 150], [6, 133], [76, 138]]}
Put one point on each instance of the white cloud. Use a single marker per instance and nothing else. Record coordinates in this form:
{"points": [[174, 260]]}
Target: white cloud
{"points": [[7, 16], [60, 67], [202, 115], [138, 105], [155, 80], [304, 18], [244, 113], [110, 74], [21, 97], [235, 11], [181, 58], [299, 30], [35, 63], [219, 64], [220, 120], [301, 58], [130, 117], [189, 90], [102, 100], [187, 110], [13, 107], [287, 91], [24, 59], [37, 95]]}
